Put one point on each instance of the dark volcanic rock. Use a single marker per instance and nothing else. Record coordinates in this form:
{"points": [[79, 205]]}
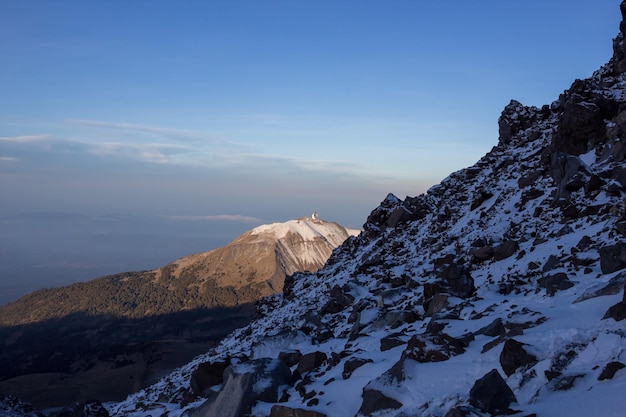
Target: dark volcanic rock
{"points": [[436, 304], [482, 253], [505, 249], [612, 258], [460, 282], [491, 394], [581, 126], [311, 361], [569, 173], [390, 342], [207, 375], [244, 385], [553, 283], [374, 400], [290, 358], [283, 411], [397, 216], [514, 356], [495, 328], [609, 370], [480, 198], [377, 220], [616, 312], [351, 364]]}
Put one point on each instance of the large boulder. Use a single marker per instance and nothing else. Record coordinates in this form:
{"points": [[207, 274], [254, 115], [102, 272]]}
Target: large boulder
{"points": [[569, 173], [505, 249], [482, 253], [245, 384], [491, 394], [458, 280], [493, 329], [311, 361], [581, 126], [616, 312], [609, 370], [351, 365], [290, 357], [207, 375], [556, 282], [612, 258], [374, 400], [514, 356], [376, 393]]}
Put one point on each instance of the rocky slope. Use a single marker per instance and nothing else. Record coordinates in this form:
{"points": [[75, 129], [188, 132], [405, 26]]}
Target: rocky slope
{"points": [[111, 336], [499, 291]]}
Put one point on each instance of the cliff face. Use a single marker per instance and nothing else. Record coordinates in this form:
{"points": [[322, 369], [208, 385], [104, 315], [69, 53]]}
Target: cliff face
{"points": [[499, 291]]}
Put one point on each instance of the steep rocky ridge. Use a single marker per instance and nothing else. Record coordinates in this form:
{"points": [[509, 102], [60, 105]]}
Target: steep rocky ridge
{"points": [[499, 291], [110, 336]]}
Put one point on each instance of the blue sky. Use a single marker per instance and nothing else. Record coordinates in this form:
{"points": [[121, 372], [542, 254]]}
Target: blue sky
{"points": [[261, 111]]}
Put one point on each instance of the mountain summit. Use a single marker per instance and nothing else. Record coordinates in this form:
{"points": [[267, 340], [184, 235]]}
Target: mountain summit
{"points": [[263, 256], [498, 292]]}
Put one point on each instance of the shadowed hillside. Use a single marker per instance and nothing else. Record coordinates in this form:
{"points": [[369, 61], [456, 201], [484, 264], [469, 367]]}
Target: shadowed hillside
{"points": [[79, 356]]}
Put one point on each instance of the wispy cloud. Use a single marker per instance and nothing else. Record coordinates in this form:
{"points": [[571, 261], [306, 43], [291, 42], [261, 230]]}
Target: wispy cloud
{"points": [[26, 138], [220, 218], [150, 152], [7, 158], [274, 161], [170, 133]]}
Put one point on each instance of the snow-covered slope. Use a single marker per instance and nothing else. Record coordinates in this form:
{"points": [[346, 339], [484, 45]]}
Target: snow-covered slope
{"points": [[302, 244], [499, 291]]}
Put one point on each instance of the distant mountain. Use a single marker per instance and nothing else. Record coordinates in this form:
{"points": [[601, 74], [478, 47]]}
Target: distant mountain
{"points": [[107, 326], [500, 291], [250, 267]]}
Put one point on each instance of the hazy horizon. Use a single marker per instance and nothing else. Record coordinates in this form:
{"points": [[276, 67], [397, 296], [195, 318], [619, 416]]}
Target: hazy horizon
{"points": [[42, 250]]}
